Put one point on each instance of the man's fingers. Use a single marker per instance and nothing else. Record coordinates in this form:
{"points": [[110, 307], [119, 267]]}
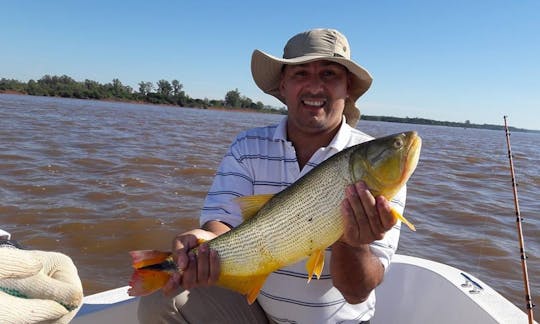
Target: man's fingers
{"points": [[215, 267], [385, 212], [366, 218], [355, 202], [182, 244], [369, 216], [203, 266], [199, 268], [189, 276]]}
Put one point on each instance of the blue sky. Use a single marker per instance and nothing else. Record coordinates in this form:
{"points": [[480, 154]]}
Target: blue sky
{"points": [[444, 60]]}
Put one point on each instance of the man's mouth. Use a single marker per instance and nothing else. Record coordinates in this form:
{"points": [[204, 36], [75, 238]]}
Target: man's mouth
{"points": [[314, 103]]}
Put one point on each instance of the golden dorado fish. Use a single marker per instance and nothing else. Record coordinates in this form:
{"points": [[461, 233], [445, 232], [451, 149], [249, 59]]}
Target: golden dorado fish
{"points": [[307, 212]]}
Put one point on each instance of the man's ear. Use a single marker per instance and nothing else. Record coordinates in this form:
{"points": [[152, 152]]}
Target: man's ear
{"points": [[282, 83], [349, 83]]}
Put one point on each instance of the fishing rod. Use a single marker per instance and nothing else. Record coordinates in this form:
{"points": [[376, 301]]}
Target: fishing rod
{"points": [[519, 219]]}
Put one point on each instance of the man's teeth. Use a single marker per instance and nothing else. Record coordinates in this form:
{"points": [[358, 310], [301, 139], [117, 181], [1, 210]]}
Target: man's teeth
{"points": [[317, 103]]}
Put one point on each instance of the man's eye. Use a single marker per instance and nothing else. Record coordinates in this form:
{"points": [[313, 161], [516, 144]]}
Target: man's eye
{"points": [[329, 73]]}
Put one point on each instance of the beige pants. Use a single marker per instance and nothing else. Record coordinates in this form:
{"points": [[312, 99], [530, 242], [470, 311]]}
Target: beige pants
{"points": [[201, 305]]}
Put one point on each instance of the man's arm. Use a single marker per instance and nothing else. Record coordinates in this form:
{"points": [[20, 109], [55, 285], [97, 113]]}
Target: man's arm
{"points": [[216, 227], [355, 269]]}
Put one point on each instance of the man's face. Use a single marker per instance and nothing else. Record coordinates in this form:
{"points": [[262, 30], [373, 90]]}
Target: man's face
{"points": [[315, 95]]}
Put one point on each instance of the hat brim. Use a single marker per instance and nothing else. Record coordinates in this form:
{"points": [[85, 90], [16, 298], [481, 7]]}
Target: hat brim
{"points": [[266, 70]]}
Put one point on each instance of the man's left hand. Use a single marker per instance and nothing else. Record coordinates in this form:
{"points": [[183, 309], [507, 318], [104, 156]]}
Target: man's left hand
{"points": [[366, 218]]}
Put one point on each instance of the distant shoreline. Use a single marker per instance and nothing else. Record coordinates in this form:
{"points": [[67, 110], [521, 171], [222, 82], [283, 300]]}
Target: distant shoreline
{"points": [[138, 102], [424, 121], [406, 120]]}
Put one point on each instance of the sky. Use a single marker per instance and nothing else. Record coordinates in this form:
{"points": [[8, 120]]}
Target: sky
{"points": [[444, 60]]}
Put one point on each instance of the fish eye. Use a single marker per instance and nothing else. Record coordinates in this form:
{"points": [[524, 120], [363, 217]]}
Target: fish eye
{"points": [[398, 143]]}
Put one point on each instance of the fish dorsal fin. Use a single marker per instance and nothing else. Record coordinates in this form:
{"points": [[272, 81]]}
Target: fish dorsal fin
{"points": [[250, 205], [315, 264]]}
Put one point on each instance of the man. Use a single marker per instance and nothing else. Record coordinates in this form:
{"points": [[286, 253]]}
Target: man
{"points": [[320, 84]]}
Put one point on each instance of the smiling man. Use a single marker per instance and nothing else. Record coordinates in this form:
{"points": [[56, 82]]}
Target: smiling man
{"points": [[315, 93], [319, 83]]}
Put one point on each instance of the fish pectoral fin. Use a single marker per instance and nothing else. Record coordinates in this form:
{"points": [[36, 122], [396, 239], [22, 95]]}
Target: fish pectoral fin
{"points": [[397, 215], [249, 286], [143, 258], [315, 264], [144, 282], [250, 205]]}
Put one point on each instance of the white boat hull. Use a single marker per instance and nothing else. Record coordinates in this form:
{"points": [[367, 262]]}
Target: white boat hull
{"points": [[415, 290]]}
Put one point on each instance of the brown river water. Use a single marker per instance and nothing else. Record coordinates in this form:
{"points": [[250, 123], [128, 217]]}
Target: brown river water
{"points": [[97, 179]]}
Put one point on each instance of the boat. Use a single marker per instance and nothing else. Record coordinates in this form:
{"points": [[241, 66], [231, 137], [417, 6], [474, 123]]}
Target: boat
{"points": [[415, 290]]}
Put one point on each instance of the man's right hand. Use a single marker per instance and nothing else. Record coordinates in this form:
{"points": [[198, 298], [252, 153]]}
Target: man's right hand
{"points": [[196, 270]]}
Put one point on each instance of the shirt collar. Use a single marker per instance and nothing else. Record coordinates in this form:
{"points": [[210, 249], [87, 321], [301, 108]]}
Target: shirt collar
{"points": [[281, 131], [339, 142]]}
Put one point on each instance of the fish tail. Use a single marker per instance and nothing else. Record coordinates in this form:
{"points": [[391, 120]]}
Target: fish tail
{"points": [[144, 258], [152, 271]]}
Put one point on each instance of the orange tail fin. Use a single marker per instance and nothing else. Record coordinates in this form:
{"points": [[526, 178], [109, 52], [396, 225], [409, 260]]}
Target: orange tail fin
{"points": [[145, 282], [152, 271], [144, 258]]}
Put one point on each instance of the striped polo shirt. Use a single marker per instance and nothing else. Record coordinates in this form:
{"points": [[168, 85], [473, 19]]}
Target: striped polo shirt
{"points": [[262, 161]]}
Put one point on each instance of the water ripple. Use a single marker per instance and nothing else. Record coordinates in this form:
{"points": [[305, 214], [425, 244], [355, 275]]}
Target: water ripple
{"points": [[97, 179]]}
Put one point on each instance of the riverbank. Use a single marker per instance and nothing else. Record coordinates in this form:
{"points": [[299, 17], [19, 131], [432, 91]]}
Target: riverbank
{"points": [[141, 102], [391, 119]]}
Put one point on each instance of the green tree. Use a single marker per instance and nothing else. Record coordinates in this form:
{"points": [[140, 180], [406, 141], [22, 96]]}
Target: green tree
{"points": [[176, 87], [117, 88], [232, 98], [145, 88], [11, 84], [164, 87], [32, 88], [259, 105], [93, 89], [246, 102]]}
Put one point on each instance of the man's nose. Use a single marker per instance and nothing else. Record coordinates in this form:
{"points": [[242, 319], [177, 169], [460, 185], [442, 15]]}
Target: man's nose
{"points": [[315, 84]]}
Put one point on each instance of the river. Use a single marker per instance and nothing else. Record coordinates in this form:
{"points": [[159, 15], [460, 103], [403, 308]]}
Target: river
{"points": [[96, 179]]}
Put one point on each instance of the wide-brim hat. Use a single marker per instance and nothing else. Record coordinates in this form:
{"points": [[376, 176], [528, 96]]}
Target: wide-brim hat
{"points": [[309, 46]]}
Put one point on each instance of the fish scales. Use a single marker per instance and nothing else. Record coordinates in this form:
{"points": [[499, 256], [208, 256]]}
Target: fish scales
{"points": [[300, 221], [307, 213]]}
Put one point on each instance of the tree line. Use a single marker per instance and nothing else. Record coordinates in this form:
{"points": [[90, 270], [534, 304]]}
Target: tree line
{"points": [[424, 121], [162, 92], [172, 93]]}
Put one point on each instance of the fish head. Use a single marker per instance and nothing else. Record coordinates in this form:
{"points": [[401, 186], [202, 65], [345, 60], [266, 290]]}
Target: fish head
{"points": [[385, 164]]}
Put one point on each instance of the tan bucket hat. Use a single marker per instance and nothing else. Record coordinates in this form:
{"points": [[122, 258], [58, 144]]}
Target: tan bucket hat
{"points": [[312, 45]]}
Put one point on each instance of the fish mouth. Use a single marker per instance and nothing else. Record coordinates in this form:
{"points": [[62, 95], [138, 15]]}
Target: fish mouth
{"points": [[412, 156]]}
